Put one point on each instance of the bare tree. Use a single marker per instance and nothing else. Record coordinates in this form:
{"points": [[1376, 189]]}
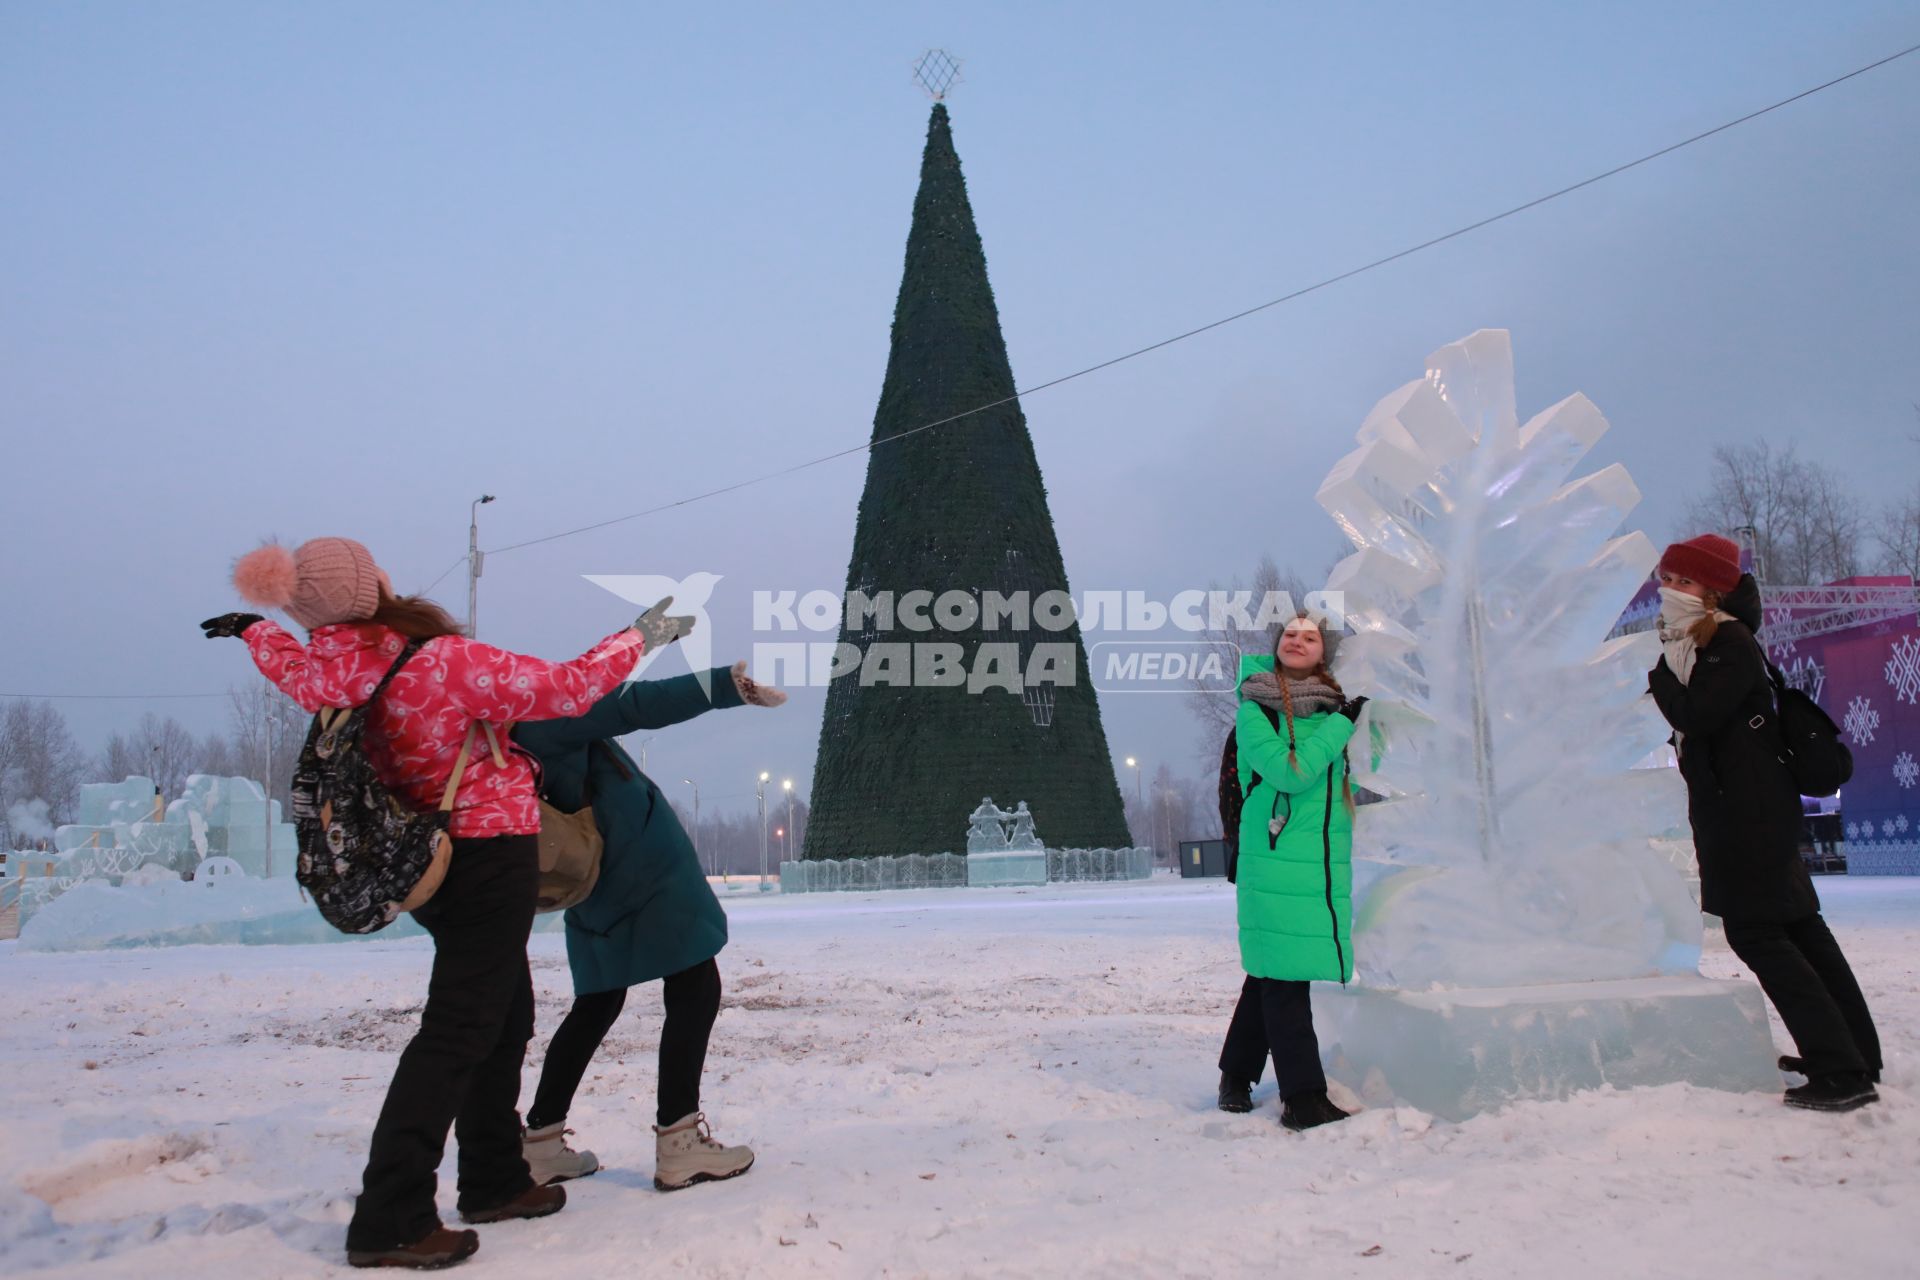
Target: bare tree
{"points": [[1804, 526], [216, 756], [728, 841], [1898, 530], [39, 762], [119, 760], [260, 716], [1212, 703], [160, 748], [1176, 809]]}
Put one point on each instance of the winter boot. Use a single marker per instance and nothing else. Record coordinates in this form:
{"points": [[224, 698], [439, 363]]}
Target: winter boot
{"points": [[550, 1159], [1310, 1110], [1788, 1062], [1236, 1095], [685, 1153], [1847, 1091], [440, 1247], [534, 1202]]}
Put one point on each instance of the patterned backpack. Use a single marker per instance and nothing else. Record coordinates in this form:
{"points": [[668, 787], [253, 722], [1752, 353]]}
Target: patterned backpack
{"points": [[365, 854]]}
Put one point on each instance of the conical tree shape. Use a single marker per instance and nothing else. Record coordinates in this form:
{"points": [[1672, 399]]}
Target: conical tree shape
{"points": [[960, 508]]}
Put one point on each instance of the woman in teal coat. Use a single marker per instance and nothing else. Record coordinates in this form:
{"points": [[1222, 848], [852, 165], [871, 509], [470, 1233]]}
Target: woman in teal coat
{"points": [[651, 915], [1294, 877]]}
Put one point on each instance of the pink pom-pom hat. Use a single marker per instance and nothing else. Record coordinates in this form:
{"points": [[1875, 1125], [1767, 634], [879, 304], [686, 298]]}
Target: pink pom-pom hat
{"points": [[321, 582]]}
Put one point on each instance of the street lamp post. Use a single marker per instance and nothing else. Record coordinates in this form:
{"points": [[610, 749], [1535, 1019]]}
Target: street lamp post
{"points": [[760, 792], [266, 781], [696, 822], [643, 752], [1163, 794], [473, 562], [786, 785], [1139, 798]]}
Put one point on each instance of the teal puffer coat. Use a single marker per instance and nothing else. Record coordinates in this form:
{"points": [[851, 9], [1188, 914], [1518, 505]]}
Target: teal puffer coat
{"points": [[1294, 890], [652, 912]]}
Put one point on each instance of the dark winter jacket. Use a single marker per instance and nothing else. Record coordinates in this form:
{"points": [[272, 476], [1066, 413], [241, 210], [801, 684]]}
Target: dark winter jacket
{"points": [[652, 912], [1741, 799]]}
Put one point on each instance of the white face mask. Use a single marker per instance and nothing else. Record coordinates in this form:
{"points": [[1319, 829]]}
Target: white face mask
{"points": [[1677, 607]]}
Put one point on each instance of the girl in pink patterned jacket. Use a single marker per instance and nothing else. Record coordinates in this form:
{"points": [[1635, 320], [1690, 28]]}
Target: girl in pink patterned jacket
{"points": [[463, 1066]]}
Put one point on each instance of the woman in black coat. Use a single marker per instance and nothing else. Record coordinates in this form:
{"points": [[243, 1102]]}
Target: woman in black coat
{"points": [[1712, 686]]}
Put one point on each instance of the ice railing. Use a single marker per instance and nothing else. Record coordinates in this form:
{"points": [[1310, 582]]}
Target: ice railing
{"points": [[905, 871], [949, 870]]}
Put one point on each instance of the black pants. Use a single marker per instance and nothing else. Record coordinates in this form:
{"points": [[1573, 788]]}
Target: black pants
{"points": [[1274, 1017], [693, 1002], [1800, 967], [462, 1067]]}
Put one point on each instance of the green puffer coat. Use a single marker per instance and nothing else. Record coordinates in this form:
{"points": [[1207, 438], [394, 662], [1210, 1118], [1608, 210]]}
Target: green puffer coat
{"points": [[1294, 892], [652, 912]]}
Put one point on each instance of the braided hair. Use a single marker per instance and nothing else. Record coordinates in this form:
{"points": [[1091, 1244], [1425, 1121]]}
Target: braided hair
{"points": [[1320, 672]]}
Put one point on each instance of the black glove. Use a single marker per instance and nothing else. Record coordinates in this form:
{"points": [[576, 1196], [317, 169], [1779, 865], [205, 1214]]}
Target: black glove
{"points": [[1351, 708], [229, 624], [658, 628]]}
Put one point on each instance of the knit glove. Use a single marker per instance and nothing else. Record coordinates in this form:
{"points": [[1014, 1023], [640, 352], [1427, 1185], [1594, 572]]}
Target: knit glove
{"points": [[1352, 707], [752, 692], [229, 624], [658, 629]]}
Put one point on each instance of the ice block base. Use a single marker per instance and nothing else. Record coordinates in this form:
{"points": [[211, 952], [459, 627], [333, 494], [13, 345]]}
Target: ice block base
{"points": [[1456, 1053]]}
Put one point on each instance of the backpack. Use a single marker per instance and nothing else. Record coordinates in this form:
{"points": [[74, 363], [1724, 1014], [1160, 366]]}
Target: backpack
{"points": [[1820, 763], [365, 854], [1232, 798]]}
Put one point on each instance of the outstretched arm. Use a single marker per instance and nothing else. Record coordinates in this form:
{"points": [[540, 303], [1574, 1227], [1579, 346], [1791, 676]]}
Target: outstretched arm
{"points": [[493, 684], [643, 704], [285, 661]]}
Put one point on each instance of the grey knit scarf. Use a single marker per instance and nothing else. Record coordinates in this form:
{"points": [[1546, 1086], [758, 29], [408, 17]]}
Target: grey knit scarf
{"points": [[1310, 696]]}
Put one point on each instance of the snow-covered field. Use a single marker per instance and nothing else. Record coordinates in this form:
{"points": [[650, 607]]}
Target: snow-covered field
{"points": [[957, 1083]]}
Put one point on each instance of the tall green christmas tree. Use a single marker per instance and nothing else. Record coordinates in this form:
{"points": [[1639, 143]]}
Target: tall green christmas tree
{"points": [[959, 507]]}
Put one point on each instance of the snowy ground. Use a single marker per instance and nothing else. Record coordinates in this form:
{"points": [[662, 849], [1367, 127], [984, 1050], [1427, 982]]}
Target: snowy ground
{"points": [[957, 1083]]}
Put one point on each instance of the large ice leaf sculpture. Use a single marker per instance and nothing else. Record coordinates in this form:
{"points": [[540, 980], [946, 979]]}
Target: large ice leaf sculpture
{"points": [[1505, 725]]}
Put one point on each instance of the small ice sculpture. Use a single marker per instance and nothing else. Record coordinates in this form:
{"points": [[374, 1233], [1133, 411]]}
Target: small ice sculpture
{"points": [[985, 832], [1503, 729], [1023, 833], [991, 860]]}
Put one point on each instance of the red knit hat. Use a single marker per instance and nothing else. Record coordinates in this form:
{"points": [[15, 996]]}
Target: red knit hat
{"points": [[1710, 560]]}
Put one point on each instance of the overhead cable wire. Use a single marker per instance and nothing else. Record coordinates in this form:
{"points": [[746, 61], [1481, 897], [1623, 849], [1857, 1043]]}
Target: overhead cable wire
{"points": [[1302, 292], [111, 697]]}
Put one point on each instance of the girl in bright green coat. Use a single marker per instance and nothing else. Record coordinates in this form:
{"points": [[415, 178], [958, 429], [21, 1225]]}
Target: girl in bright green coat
{"points": [[651, 915], [1295, 872]]}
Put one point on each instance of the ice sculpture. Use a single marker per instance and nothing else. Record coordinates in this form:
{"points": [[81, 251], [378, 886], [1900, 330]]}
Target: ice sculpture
{"points": [[1023, 835], [986, 830], [1504, 729], [991, 860]]}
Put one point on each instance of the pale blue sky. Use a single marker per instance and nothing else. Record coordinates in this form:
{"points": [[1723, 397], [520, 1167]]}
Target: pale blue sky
{"points": [[294, 270]]}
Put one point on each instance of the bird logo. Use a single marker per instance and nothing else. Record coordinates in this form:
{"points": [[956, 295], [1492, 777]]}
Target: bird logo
{"points": [[690, 596]]}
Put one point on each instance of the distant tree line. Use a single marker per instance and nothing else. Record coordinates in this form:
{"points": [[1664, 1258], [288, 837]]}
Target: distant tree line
{"points": [[1800, 516], [42, 766]]}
